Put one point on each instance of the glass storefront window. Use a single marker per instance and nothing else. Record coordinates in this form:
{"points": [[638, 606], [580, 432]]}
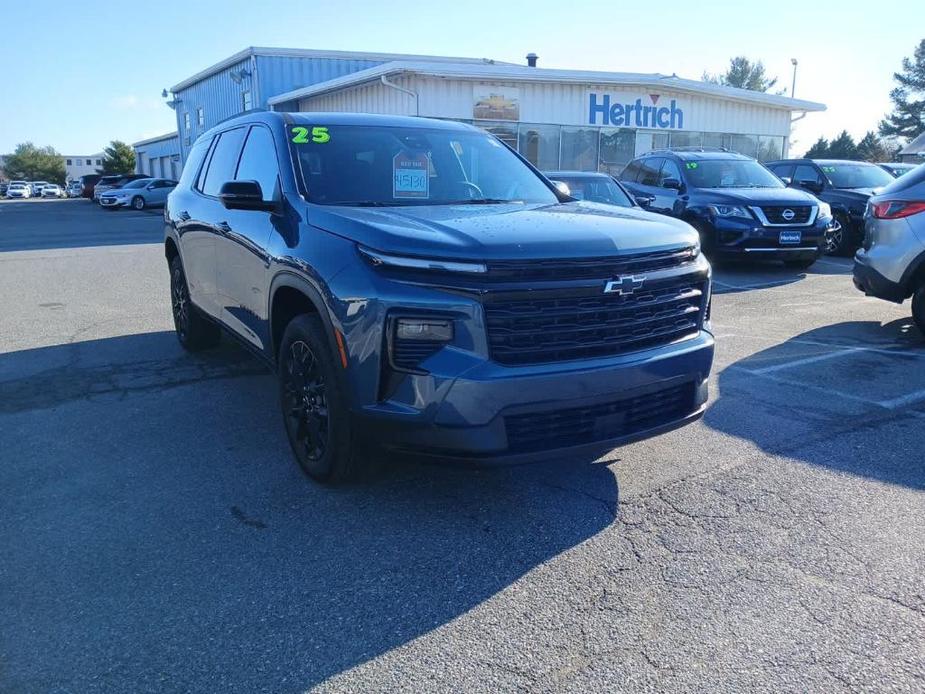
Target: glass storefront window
{"points": [[744, 144], [685, 138], [770, 147], [506, 132], [647, 141], [579, 150], [539, 144], [618, 147], [714, 141]]}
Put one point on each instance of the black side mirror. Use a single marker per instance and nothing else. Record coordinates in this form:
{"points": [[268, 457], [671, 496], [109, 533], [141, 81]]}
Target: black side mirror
{"points": [[244, 195], [672, 183], [644, 201], [814, 186]]}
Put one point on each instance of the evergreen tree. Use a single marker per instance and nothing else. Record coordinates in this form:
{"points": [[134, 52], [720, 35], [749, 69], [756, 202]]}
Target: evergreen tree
{"points": [[820, 150], [908, 116], [744, 74], [843, 147], [118, 158], [31, 163], [871, 148]]}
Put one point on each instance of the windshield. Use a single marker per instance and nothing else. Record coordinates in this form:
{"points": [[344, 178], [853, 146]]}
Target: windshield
{"points": [[855, 175], [596, 189], [385, 166], [139, 183], [730, 173]]}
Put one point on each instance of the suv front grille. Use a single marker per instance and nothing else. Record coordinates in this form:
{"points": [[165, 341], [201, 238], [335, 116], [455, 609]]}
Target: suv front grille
{"points": [[552, 326], [775, 214], [574, 426], [588, 268]]}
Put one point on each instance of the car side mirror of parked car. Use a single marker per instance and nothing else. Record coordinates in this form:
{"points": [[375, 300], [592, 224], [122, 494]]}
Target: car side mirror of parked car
{"points": [[644, 201], [672, 183], [814, 186], [787, 180], [244, 195], [562, 187]]}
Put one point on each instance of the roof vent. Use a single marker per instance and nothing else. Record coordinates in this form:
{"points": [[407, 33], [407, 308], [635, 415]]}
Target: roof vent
{"points": [[531, 59]]}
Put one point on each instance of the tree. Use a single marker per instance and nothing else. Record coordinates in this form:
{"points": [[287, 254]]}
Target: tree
{"points": [[820, 150], [744, 74], [843, 147], [908, 117], [31, 163], [118, 158], [871, 148]]}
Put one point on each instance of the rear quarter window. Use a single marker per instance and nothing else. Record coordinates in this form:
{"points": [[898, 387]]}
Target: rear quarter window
{"points": [[916, 177]]}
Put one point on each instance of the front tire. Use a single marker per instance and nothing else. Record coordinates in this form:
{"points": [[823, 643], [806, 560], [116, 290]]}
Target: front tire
{"points": [[838, 238], [314, 403], [194, 331], [918, 307], [138, 203]]}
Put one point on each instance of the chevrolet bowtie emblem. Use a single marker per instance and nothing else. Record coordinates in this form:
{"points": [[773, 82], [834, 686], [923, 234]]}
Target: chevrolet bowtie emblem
{"points": [[624, 285]]}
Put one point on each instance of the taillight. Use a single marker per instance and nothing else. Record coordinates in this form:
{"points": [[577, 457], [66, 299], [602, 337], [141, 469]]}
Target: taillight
{"points": [[896, 209]]}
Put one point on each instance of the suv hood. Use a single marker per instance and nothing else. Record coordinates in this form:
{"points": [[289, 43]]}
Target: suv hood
{"points": [[505, 231], [760, 196]]}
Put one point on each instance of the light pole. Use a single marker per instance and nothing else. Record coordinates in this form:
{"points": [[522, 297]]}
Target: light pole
{"points": [[793, 86]]}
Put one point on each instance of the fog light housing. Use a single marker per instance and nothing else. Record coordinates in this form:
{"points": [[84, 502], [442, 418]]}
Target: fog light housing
{"points": [[424, 329]]}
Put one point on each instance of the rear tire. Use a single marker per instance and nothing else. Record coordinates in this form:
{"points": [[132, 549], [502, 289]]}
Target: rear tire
{"points": [[314, 404], [918, 308], [194, 331]]}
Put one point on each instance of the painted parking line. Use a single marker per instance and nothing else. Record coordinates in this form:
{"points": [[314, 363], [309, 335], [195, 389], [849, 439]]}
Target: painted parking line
{"points": [[802, 361], [760, 285], [914, 352]]}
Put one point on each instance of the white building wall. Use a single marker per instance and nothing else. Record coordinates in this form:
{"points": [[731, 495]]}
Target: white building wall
{"points": [[561, 104], [79, 167]]}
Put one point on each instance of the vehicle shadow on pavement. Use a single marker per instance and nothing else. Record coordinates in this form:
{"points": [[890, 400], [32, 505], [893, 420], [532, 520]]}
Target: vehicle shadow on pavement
{"points": [[159, 535], [849, 397], [745, 276]]}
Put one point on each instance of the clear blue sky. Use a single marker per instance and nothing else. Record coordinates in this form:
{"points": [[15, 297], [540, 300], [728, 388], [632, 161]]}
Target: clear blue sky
{"points": [[84, 73]]}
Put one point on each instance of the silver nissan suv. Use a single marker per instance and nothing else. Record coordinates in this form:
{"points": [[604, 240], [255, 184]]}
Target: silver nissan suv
{"points": [[891, 263]]}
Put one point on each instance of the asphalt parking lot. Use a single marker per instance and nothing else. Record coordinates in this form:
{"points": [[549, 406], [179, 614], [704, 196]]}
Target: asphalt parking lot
{"points": [[155, 534]]}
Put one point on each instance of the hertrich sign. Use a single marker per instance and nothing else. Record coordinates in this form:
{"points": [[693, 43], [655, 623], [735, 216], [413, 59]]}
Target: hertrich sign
{"points": [[649, 111]]}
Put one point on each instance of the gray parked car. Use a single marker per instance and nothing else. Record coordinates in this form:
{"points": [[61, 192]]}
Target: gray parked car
{"points": [[139, 194], [891, 263]]}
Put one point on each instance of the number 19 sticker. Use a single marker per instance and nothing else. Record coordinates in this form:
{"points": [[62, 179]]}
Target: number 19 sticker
{"points": [[409, 175]]}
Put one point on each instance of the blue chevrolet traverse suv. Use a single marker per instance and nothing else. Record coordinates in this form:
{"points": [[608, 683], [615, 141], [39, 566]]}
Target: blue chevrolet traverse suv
{"points": [[418, 284], [741, 209]]}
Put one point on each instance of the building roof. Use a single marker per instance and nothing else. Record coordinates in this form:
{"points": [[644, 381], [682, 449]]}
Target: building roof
{"points": [[520, 73], [916, 146], [312, 53], [159, 138]]}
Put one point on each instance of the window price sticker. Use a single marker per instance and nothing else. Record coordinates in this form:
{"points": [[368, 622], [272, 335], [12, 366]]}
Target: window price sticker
{"points": [[409, 176]]}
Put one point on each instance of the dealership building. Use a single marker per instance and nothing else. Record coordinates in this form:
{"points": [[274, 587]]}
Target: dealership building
{"points": [[558, 119]]}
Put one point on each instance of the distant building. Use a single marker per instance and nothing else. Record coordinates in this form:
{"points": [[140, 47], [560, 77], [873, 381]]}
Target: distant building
{"points": [[159, 157], [914, 152], [77, 165]]}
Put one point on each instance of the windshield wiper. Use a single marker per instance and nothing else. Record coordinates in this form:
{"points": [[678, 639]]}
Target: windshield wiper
{"points": [[476, 201], [369, 203]]}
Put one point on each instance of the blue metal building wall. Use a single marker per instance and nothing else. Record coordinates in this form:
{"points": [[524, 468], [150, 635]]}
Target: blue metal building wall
{"points": [[165, 147], [221, 97]]}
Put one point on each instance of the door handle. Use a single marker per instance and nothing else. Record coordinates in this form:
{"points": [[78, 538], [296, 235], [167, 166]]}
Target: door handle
{"points": [[184, 216]]}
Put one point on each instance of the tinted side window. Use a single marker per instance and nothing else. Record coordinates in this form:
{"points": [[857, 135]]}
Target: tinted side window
{"points": [[649, 174], [631, 172], [669, 170], [258, 161], [913, 178], [224, 160], [805, 172], [783, 170], [195, 169]]}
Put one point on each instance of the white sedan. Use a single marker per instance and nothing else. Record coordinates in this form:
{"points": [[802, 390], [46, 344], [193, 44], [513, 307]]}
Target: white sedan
{"points": [[53, 190]]}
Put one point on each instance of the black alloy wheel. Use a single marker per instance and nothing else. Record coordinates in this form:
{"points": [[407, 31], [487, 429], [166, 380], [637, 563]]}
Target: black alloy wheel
{"points": [[193, 330], [305, 402]]}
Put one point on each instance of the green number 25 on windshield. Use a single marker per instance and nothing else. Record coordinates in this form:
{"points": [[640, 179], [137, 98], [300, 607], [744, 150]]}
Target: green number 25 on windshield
{"points": [[319, 135]]}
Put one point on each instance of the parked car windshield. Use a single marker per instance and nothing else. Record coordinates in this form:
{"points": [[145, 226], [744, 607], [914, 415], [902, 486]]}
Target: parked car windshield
{"points": [[137, 183], [385, 166], [596, 189], [856, 175], [730, 173]]}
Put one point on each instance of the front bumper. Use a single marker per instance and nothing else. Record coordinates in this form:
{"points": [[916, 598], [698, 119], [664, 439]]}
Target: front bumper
{"points": [[113, 202], [873, 283], [515, 414], [741, 238]]}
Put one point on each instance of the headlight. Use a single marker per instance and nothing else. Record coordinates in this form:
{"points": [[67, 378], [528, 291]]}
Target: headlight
{"points": [[409, 263], [730, 211], [825, 210]]}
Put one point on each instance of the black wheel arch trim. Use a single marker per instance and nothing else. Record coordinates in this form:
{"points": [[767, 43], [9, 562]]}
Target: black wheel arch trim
{"points": [[313, 294], [916, 267]]}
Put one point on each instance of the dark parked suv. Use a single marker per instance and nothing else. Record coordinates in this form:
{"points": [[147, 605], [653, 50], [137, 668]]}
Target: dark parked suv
{"points": [[417, 283], [739, 207], [844, 185]]}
